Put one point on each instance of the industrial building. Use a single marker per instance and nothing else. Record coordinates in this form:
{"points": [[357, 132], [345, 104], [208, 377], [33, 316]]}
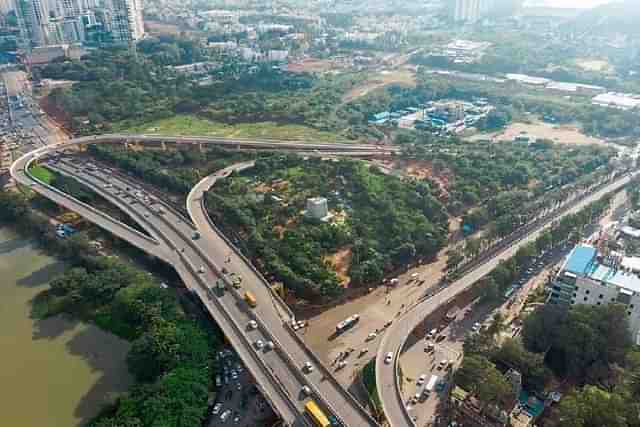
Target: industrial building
{"points": [[590, 276], [621, 101], [317, 208]]}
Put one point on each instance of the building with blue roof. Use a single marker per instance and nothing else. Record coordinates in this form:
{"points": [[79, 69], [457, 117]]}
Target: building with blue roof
{"points": [[588, 277]]}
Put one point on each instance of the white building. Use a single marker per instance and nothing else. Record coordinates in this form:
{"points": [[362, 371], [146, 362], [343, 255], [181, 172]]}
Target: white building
{"points": [[127, 24], [589, 278], [317, 208], [470, 10], [622, 101]]}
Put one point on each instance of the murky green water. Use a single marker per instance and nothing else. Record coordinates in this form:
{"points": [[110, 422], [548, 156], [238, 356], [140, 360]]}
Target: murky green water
{"points": [[55, 372]]}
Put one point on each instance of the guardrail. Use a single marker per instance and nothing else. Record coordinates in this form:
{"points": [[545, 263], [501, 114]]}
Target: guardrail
{"points": [[204, 286], [310, 354]]}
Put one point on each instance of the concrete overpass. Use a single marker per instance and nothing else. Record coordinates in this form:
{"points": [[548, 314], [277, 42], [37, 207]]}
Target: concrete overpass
{"points": [[199, 264]]}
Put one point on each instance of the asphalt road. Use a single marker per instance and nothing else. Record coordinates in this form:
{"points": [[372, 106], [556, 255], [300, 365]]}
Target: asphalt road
{"points": [[277, 372], [395, 337]]}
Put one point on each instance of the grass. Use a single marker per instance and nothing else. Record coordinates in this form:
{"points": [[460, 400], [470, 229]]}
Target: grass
{"points": [[41, 173], [190, 125], [369, 380]]}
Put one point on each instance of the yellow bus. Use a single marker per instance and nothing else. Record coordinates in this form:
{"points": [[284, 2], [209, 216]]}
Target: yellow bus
{"points": [[250, 299], [316, 414]]}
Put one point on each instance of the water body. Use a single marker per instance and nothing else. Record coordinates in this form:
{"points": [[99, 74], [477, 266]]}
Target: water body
{"points": [[55, 372]]}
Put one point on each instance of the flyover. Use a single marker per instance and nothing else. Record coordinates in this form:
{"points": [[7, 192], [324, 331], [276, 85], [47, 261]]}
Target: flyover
{"points": [[198, 262], [394, 339]]}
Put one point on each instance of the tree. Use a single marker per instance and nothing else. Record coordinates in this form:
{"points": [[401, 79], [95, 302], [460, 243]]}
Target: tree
{"points": [[593, 407], [480, 377]]}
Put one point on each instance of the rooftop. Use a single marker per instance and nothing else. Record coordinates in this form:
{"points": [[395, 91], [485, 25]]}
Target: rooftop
{"points": [[582, 261]]}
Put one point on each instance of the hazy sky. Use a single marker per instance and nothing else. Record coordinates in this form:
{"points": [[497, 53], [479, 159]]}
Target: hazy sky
{"points": [[582, 4]]}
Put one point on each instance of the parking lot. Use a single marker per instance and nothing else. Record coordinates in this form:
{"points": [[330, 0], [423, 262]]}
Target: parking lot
{"points": [[237, 402]]}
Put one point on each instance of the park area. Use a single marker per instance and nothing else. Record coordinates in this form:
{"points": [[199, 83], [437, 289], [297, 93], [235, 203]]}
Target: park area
{"points": [[190, 125], [373, 224]]}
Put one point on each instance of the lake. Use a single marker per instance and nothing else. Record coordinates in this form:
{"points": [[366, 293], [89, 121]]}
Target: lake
{"points": [[53, 372]]}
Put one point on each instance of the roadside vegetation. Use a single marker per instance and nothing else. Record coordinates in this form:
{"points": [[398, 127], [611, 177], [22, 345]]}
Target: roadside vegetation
{"points": [[116, 91], [174, 171], [171, 356], [380, 222], [587, 347]]}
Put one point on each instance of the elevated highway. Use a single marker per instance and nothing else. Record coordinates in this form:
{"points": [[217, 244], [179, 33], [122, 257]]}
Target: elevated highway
{"points": [[199, 263]]}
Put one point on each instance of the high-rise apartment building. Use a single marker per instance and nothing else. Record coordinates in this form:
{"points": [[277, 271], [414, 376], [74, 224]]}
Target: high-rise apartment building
{"points": [[127, 24], [34, 18], [466, 10], [50, 22]]}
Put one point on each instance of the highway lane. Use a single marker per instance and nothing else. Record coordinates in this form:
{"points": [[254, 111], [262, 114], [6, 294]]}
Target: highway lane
{"points": [[123, 231], [280, 388], [395, 337], [327, 390], [271, 309]]}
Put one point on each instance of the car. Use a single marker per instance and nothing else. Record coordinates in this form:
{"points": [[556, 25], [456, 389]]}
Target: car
{"points": [[307, 367], [201, 269], [269, 345], [421, 379], [342, 364], [442, 364], [388, 358], [386, 325], [306, 390], [440, 337], [252, 324], [259, 344], [371, 336], [225, 415], [429, 347], [216, 409], [234, 375], [476, 327], [236, 419], [196, 235], [239, 386]]}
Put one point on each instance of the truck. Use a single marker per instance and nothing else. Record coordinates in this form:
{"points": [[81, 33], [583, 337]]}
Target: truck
{"points": [[315, 413], [347, 323], [430, 385], [250, 299]]}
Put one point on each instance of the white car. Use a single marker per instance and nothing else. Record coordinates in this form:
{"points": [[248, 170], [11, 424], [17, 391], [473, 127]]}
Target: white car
{"points": [[388, 358], [201, 269], [371, 336], [259, 344], [421, 379], [476, 327], [306, 390], [307, 367], [225, 415], [216, 409], [253, 324]]}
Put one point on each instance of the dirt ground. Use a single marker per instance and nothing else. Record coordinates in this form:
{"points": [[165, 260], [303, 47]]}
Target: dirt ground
{"points": [[311, 66], [597, 65], [402, 76], [562, 134], [156, 27], [341, 261]]}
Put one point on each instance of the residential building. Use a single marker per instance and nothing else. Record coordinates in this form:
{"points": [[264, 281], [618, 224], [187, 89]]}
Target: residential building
{"points": [[34, 18], [6, 6], [467, 10], [127, 23], [598, 278]]}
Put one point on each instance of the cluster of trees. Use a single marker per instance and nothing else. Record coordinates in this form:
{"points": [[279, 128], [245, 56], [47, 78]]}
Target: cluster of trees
{"points": [[174, 171], [116, 89], [171, 356], [588, 345], [569, 229], [507, 183], [388, 222]]}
